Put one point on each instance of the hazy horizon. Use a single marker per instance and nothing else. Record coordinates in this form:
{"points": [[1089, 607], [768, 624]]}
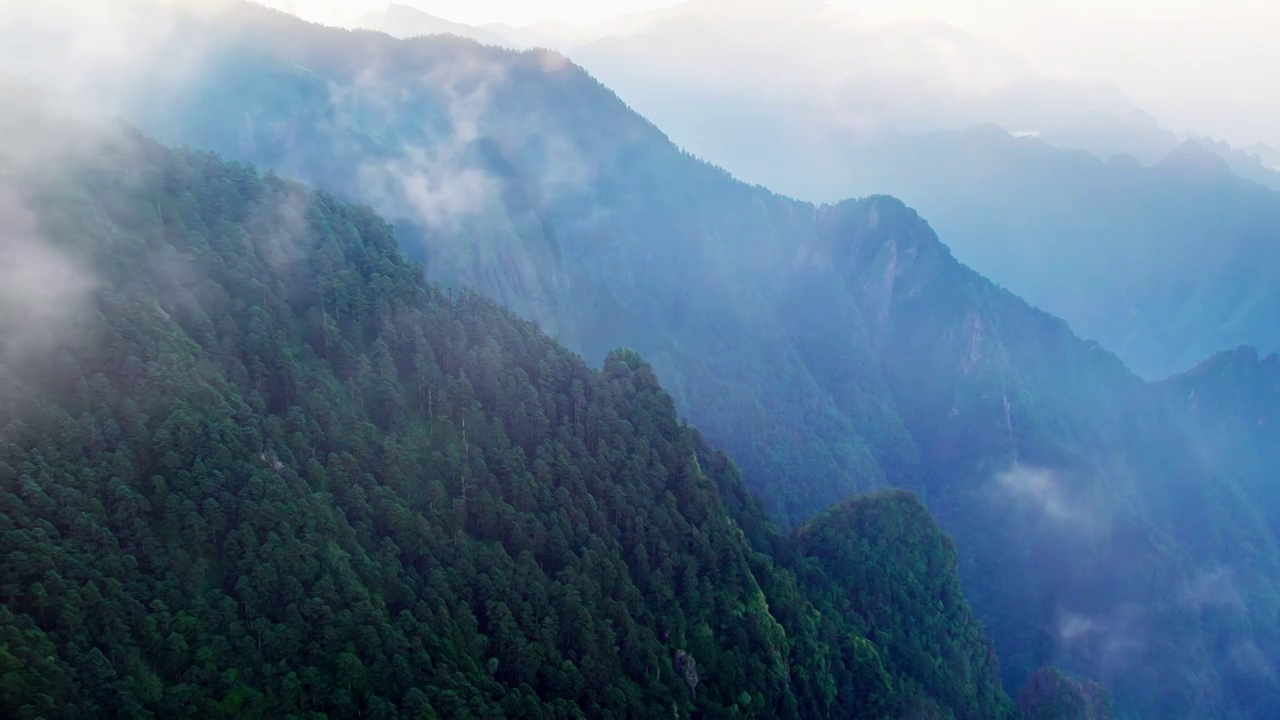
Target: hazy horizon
{"points": [[1198, 70]]}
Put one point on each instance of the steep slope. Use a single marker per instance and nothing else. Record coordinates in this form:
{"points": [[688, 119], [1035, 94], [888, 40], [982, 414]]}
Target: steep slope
{"points": [[259, 468], [1233, 400], [1074, 483], [1165, 265], [829, 349]]}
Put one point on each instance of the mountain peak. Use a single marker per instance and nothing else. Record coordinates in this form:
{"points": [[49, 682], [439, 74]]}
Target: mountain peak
{"points": [[399, 11], [405, 21], [1193, 161], [1243, 364]]}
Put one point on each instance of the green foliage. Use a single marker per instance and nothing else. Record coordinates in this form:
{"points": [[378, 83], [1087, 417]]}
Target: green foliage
{"points": [[894, 570], [1050, 695], [261, 468]]}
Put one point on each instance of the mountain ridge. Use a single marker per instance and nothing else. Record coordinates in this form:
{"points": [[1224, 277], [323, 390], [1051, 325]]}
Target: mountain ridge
{"points": [[405, 21]]}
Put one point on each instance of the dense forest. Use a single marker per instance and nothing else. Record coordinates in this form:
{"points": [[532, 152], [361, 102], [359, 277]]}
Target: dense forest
{"points": [[253, 465], [1101, 523]]}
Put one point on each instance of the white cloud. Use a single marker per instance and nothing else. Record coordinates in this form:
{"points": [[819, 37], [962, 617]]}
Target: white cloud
{"points": [[1051, 496], [43, 289]]}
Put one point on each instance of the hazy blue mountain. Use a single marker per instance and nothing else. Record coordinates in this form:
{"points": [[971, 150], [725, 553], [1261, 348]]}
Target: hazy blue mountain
{"points": [[817, 104], [1267, 155], [403, 21], [829, 349], [1256, 163], [1234, 402], [1141, 136], [1163, 264], [812, 67], [1136, 134], [549, 34]]}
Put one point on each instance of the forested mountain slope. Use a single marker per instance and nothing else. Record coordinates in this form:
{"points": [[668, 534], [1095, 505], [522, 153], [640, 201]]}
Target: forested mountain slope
{"points": [[855, 550], [520, 176], [828, 349], [256, 466]]}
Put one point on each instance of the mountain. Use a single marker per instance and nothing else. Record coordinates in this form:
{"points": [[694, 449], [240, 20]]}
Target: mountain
{"points": [[543, 34], [843, 73], [888, 541], [1140, 135], [1136, 134], [829, 349], [814, 124], [1163, 264], [1256, 163], [403, 21], [552, 196], [1233, 399], [821, 104], [254, 465]]}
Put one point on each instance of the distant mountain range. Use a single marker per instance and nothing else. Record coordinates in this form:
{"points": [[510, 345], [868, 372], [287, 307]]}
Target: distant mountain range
{"points": [[659, 58], [403, 21], [1164, 265], [863, 76]]}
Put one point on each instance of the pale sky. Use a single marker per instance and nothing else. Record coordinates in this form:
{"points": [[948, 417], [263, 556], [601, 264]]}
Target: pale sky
{"points": [[478, 12], [1201, 66], [976, 16]]}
